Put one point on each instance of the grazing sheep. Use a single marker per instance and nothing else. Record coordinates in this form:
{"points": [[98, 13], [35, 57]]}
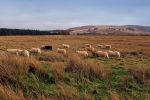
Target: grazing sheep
{"points": [[35, 50], [24, 53], [47, 47], [102, 54], [114, 53], [18, 52], [88, 45], [107, 46], [104, 46], [90, 49], [14, 51], [101, 46], [62, 51], [83, 53], [66, 45]]}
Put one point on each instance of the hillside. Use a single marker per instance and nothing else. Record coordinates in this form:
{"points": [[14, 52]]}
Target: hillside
{"points": [[111, 29], [91, 29]]}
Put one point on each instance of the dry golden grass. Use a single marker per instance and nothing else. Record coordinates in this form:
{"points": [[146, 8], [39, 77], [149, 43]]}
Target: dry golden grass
{"points": [[114, 96], [13, 68], [52, 57], [66, 93], [121, 43], [58, 70], [7, 93], [88, 69]]}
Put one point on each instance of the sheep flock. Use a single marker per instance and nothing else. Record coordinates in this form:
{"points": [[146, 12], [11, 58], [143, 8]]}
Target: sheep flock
{"points": [[103, 52]]}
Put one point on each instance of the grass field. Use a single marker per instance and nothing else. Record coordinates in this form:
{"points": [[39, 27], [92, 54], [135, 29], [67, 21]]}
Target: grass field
{"points": [[51, 76]]}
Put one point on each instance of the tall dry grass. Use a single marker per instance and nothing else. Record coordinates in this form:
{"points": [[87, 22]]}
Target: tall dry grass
{"points": [[13, 68], [52, 57], [87, 69], [58, 71], [141, 75], [14, 71], [64, 92], [114, 96], [7, 93]]}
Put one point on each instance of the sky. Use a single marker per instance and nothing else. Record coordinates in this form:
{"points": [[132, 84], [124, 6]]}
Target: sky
{"points": [[64, 14]]}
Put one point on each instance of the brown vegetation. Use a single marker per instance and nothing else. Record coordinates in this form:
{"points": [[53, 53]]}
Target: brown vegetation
{"points": [[88, 69], [141, 75], [7, 93], [58, 70], [37, 77]]}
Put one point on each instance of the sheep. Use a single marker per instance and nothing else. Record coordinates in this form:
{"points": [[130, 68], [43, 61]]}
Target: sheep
{"points": [[114, 53], [35, 50], [88, 45], [104, 46], [90, 49], [14, 51], [102, 54], [83, 53], [101, 46], [66, 45], [62, 51], [24, 53], [47, 47], [18, 52], [107, 46]]}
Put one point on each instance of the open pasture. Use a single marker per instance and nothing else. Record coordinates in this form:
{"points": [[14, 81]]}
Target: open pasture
{"points": [[71, 77]]}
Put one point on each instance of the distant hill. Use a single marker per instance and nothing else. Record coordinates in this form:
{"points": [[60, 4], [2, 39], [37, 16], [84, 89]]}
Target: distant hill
{"points": [[111, 29], [91, 29]]}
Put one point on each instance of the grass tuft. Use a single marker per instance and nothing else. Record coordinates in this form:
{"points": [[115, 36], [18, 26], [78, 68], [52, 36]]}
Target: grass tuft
{"points": [[88, 69]]}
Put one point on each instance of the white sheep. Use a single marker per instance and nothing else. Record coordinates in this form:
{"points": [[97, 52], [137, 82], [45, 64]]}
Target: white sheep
{"points": [[88, 45], [101, 46], [107, 46], [62, 51], [14, 51], [114, 54], [104, 46], [83, 53], [35, 50], [90, 49], [24, 53], [66, 45], [102, 54]]}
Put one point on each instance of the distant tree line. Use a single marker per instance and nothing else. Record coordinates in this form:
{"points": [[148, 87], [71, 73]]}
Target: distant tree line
{"points": [[11, 32]]}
